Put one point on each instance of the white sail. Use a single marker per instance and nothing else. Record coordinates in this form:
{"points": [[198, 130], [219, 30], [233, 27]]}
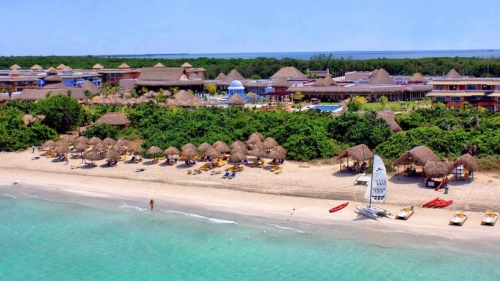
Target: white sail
{"points": [[379, 180]]}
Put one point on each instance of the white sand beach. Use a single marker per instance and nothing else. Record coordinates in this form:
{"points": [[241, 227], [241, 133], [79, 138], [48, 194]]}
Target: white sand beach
{"points": [[311, 191]]}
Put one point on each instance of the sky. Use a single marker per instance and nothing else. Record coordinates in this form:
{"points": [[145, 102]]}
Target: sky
{"points": [[107, 27]]}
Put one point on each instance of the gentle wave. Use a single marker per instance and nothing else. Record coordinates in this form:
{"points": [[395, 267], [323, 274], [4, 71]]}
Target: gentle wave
{"points": [[9, 196], [214, 220], [285, 228], [126, 206]]}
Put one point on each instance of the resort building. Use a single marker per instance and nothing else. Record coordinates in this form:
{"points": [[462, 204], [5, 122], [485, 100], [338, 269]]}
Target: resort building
{"points": [[113, 76], [185, 77], [453, 90]]}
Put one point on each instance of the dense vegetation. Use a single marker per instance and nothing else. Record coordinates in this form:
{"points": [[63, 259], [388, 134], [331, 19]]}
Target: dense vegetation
{"points": [[266, 67], [305, 135]]}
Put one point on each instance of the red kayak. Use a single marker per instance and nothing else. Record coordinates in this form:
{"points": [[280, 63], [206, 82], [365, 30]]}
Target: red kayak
{"points": [[339, 207], [429, 203]]}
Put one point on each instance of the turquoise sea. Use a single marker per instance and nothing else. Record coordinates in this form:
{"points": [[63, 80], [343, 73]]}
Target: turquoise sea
{"points": [[47, 235]]}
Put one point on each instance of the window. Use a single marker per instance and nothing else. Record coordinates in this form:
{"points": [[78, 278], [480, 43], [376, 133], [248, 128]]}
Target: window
{"points": [[486, 87], [471, 87], [441, 98], [438, 87], [453, 87], [456, 98]]}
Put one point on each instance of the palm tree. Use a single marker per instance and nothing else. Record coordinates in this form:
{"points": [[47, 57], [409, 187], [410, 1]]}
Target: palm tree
{"points": [[298, 96]]}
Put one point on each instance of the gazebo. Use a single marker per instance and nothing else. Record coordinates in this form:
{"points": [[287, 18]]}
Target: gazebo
{"points": [[418, 155], [359, 153]]}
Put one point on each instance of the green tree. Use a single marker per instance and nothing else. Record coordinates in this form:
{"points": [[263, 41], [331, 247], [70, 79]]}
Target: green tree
{"points": [[102, 131], [298, 96], [210, 88], [62, 113]]}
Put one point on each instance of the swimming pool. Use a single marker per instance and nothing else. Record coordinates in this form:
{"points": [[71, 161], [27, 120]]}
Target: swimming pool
{"points": [[327, 108]]}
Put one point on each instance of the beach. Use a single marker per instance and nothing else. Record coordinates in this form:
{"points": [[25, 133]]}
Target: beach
{"points": [[306, 192]]}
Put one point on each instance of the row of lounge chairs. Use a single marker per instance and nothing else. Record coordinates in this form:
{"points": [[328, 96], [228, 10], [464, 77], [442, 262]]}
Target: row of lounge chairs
{"points": [[229, 175]]}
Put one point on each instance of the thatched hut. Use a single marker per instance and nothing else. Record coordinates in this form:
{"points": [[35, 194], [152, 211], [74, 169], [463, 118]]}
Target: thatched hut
{"points": [[437, 169], [236, 99], [418, 155], [359, 153], [465, 162]]}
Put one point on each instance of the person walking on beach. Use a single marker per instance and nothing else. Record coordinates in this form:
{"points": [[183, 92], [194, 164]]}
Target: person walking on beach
{"points": [[33, 149], [152, 204]]}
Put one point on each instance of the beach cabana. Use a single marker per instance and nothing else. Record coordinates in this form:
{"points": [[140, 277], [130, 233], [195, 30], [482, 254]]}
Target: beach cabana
{"points": [[418, 155], [465, 166], [359, 153], [437, 169]]}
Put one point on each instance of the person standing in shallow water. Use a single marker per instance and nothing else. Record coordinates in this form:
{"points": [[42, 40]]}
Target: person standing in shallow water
{"points": [[152, 204]]}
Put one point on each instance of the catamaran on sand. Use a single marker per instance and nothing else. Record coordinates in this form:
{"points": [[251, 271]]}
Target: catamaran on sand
{"points": [[376, 191]]}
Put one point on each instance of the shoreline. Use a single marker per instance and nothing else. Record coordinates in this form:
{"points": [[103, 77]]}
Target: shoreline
{"points": [[272, 196]]}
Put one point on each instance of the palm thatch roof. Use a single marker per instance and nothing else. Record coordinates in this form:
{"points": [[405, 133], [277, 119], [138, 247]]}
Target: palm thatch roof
{"points": [[14, 66], [437, 169], [276, 154], [453, 74], [91, 87], [417, 78], [270, 143], [159, 65], [419, 155], [188, 145], [221, 76], [49, 143], [123, 66], [236, 99], [94, 141], [234, 75], [289, 72], [281, 83], [51, 71], [92, 156], [113, 118], [186, 65], [52, 78], [108, 141], [97, 66], [237, 156], [359, 152], [255, 136], [381, 77], [60, 67], [36, 67], [204, 147], [221, 146], [184, 95], [253, 95], [390, 118], [82, 139], [212, 152], [467, 161]]}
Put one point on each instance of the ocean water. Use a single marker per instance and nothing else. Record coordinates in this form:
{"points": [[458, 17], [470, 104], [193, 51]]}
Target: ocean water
{"points": [[46, 235], [355, 55]]}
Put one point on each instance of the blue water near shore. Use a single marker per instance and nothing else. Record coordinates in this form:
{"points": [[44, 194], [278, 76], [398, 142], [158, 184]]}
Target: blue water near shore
{"points": [[354, 55], [51, 236]]}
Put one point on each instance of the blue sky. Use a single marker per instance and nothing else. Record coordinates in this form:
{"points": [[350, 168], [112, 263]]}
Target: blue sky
{"points": [[101, 27]]}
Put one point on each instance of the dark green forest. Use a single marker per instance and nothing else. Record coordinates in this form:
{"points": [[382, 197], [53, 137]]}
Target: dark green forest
{"points": [[266, 67], [305, 135]]}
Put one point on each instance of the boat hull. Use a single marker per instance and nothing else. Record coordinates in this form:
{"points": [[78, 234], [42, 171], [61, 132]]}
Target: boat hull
{"points": [[490, 218], [368, 212], [338, 208]]}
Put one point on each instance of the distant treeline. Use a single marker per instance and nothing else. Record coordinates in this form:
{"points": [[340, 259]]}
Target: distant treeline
{"points": [[266, 67]]}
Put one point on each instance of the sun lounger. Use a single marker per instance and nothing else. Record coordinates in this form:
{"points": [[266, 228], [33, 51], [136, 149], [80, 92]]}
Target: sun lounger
{"points": [[76, 166], [233, 174], [254, 164], [139, 170], [261, 164], [226, 175], [217, 172], [122, 158], [279, 170], [274, 168]]}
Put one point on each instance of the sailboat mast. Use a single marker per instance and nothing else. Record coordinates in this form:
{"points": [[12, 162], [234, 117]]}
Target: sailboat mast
{"points": [[371, 181]]}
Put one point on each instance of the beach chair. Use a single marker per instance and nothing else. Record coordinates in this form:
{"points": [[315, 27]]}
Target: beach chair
{"points": [[122, 158], [254, 164], [279, 170], [261, 164], [245, 162], [139, 170], [233, 174], [226, 175], [274, 168]]}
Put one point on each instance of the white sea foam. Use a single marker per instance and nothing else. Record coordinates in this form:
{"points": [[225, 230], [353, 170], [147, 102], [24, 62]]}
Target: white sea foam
{"points": [[127, 206], [285, 228], [213, 220], [9, 196]]}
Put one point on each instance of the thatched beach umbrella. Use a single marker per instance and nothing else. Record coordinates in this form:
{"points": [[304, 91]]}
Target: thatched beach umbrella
{"points": [[241, 149], [255, 136], [237, 156], [467, 161], [118, 148], [189, 153], [154, 150], [280, 149], [221, 146], [270, 143], [204, 146], [122, 142], [108, 141], [81, 147], [99, 147], [237, 143], [92, 156], [135, 149], [253, 95], [276, 154], [113, 155], [49, 144], [437, 169], [171, 151], [94, 141], [212, 152], [62, 149], [258, 152], [236, 99], [82, 139], [188, 145]]}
